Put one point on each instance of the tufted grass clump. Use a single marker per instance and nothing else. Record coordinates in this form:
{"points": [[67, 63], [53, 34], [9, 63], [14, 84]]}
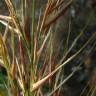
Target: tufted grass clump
{"points": [[27, 53]]}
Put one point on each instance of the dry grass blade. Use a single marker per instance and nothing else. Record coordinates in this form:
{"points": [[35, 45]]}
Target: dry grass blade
{"points": [[49, 8], [40, 82], [55, 14], [4, 53], [85, 88], [14, 16], [10, 27], [7, 18], [58, 4], [6, 33], [1, 63], [64, 81], [94, 91], [43, 44]]}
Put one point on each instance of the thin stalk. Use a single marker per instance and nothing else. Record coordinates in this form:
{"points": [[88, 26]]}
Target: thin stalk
{"points": [[32, 43], [40, 82]]}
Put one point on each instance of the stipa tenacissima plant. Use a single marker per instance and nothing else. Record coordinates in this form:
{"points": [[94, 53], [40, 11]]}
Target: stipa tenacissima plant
{"points": [[27, 51]]}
